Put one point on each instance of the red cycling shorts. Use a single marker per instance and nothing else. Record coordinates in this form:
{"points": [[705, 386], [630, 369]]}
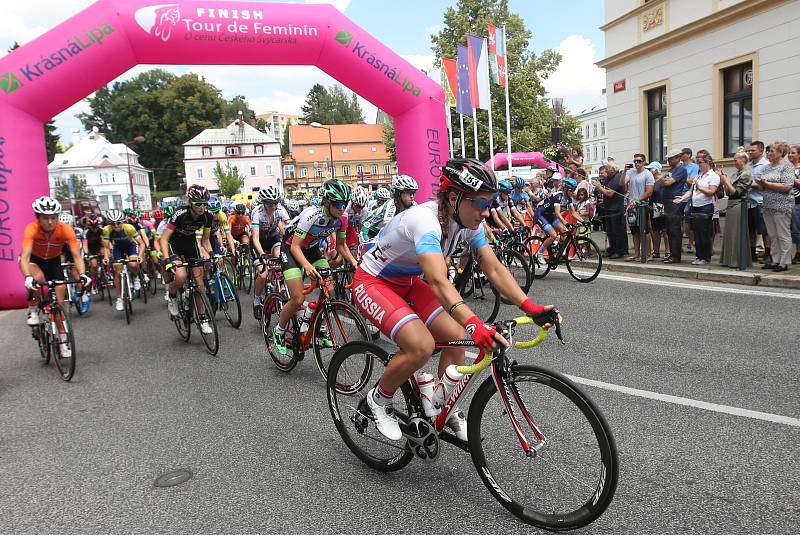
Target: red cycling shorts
{"points": [[352, 237], [391, 303]]}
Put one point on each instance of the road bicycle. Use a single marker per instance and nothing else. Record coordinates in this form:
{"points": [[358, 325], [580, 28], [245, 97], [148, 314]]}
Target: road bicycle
{"points": [[541, 447], [189, 310], [104, 282], [243, 268], [46, 332], [153, 271], [126, 289], [222, 294], [74, 295], [473, 285], [331, 324], [511, 253], [580, 254], [273, 283]]}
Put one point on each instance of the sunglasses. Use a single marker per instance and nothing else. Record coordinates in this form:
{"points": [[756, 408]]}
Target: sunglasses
{"points": [[479, 204], [339, 205], [270, 204], [410, 192], [198, 203], [638, 161]]}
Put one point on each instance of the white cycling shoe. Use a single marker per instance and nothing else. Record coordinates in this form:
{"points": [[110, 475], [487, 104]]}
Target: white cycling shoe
{"points": [[120, 304], [205, 327], [137, 285], [172, 305], [384, 418], [33, 317], [457, 423]]}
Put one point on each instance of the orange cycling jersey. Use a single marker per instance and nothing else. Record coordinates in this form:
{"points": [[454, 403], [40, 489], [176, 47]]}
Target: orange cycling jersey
{"points": [[239, 224], [47, 247]]}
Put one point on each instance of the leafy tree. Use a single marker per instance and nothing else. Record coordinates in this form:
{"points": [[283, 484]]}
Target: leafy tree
{"points": [[388, 139], [82, 191], [51, 139], [317, 108], [531, 114], [331, 106], [231, 109], [229, 180], [285, 142]]}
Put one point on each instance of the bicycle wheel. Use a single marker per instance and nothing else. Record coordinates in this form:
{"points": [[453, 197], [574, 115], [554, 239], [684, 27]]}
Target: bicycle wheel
{"points": [[273, 305], [183, 321], [571, 480], [145, 287], [480, 296], [228, 269], [584, 262], [539, 269], [519, 267], [247, 277], [64, 365], [340, 323], [108, 281], [353, 371], [153, 269], [127, 297], [228, 302], [42, 335], [211, 340]]}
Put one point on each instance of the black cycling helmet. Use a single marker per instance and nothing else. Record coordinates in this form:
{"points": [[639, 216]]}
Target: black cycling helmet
{"points": [[467, 175]]}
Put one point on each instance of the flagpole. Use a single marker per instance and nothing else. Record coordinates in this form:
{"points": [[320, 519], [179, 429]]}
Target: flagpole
{"points": [[475, 130], [508, 109], [449, 126], [463, 145], [491, 134]]}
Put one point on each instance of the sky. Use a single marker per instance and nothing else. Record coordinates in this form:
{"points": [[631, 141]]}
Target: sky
{"points": [[403, 26]]}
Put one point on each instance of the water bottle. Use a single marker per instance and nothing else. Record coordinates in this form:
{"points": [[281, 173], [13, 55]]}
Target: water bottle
{"points": [[304, 314], [427, 387], [448, 382]]}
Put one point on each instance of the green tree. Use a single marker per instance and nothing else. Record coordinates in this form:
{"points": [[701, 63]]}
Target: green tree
{"points": [[285, 142], [531, 114], [82, 191], [331, 106], [229, 180], [388, 139], [51, 139], [231, 109], [317, 108]]}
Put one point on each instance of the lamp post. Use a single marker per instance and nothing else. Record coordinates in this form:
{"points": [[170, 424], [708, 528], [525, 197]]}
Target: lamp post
{"points": [[330, 142], [558, 111], [137, 139]]}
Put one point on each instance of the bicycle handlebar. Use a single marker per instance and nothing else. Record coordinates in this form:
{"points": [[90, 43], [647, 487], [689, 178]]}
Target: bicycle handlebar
{"points": [[326, 274]]}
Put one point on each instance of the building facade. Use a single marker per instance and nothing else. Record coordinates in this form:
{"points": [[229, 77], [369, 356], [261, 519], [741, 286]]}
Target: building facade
{"points": [[111, 170], [711, 74], [279, 122], [256, 155], [358, 153], [594, 128]]}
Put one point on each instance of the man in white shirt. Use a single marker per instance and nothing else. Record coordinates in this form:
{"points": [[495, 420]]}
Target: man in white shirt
{"points": [[755, 220]]}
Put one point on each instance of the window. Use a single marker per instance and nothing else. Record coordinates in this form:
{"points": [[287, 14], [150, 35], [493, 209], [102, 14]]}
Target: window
{"points": [[259, 149], [359, 169], [657, 123], [604, 151], [103, 202], [345, 170], [374, 169], [586, 150], [206, 151], [312, 151], [117, 202], [303, 172], [595, 129], [288, 171], [345, 150], [602, 128], [595, 152], [199, 172], [332, 171], [268, 169], [387, 169], [317, 172], [232, 151], [587, 131], [252, 170], [374, 149], [737, 106]]}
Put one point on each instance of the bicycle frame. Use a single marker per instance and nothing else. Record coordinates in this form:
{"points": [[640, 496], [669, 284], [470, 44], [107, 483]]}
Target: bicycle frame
{"points": [[323, 299]]}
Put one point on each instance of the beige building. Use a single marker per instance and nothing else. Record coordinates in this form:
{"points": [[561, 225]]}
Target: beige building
{"points": [[711, 74], [279, 122]]}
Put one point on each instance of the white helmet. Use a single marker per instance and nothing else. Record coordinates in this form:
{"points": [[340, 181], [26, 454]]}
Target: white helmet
{"points": [[66, 218], [557, 176], [115, 216], [383, 194], [404, 182], [360, 196], [46, 206], [292, 205], [269, 193]]}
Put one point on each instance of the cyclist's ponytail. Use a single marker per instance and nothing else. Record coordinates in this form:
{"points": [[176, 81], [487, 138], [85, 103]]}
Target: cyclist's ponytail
{"points": [[444, 219]]}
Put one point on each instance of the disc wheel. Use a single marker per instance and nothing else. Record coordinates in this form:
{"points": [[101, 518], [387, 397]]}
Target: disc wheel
{"points": [[585, 261], [337, 323], [353, 371], [571, 479]]}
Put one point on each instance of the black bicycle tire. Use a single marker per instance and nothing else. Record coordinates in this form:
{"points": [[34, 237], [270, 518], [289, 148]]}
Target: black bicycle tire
{"points": [[224, 303], [145, 288], [539, 271], [182, 319], [213, 349], [597, 254], [291, 360], [44, 337], [127, 305], [524, 265], [597, 504], [405, 455], [67, 373], [333, 304], [466, 282], [109, 287]]}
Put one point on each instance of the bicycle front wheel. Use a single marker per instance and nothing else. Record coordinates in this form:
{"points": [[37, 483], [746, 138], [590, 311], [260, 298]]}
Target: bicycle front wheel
{"points": [[211, 339], [336, 324], [228, 302], [354, 370], [584, 262], [273, 305], [182, 320], [571, 479], [65, 365]]}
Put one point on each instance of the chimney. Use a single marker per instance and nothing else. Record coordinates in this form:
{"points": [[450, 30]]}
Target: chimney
{"points": [[253, 122], [76, 136]]}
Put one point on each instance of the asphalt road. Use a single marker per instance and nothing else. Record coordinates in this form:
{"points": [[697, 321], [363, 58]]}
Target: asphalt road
{"points": [[82, 457]]}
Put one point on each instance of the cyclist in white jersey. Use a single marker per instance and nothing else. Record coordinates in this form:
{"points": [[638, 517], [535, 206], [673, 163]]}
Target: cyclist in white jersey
{"points": [[391, 294], [403, 190]]}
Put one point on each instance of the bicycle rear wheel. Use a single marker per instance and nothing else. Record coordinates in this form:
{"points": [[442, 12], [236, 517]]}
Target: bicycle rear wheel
{"points": [[519, 267], [145, 287], [183, 320], [539, 269], [211, 340], [273, 305], [571, 479], [480, 296], [228, 302], [127, 298], [64, 365], [585, 261], [354, 370], [42, 335], [340, 323]]}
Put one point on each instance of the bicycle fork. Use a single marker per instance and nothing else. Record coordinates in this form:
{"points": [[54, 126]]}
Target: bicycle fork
{"points": [[508, 391]]}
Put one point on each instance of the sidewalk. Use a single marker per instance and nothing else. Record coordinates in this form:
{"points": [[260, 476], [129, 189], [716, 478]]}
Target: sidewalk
{"points": [[754, 276]]}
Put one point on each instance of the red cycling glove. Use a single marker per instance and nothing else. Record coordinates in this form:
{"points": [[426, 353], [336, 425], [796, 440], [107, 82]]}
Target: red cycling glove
{"points": [[529, 307], [482, 333]]}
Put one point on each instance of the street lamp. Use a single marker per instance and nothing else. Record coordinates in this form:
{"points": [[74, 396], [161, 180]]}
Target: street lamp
{"points": [[558, 111], [137, 139], [330, 141]]}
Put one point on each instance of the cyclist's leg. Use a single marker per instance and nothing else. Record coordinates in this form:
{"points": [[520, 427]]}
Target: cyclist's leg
{"points": [[198, 273], [442, 326]]}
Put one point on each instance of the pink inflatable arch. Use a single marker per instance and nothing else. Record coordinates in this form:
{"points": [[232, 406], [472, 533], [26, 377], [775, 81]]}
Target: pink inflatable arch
{"points": [[48, 75], [520, 158]]}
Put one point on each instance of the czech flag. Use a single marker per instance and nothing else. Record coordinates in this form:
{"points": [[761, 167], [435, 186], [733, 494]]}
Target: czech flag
{"points": [[478, 72]]}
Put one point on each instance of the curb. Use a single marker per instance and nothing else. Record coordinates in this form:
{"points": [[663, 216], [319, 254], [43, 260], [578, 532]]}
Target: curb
{"points": [[731, 276]]}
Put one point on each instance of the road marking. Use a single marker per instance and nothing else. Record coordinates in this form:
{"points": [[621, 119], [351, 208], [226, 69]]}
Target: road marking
{"points": [[698, 286], [5, 313], [725, 409]]}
